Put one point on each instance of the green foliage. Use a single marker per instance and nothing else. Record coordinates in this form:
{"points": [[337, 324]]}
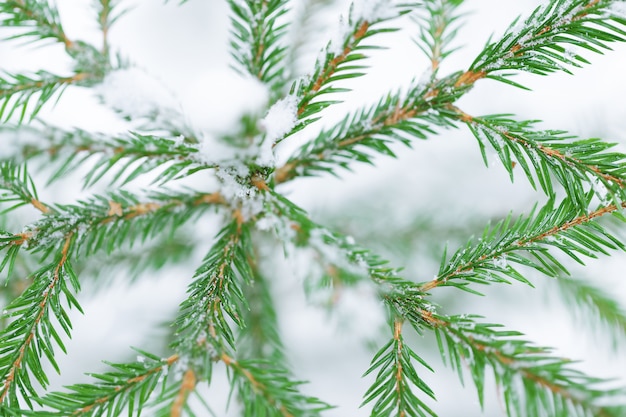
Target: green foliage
{"points": [[229, 318]]}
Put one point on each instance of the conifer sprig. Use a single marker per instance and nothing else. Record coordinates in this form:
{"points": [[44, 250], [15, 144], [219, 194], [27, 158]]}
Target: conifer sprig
{"points": [[529, 242], [267, 389], [398, 117], [543, 43], [438, 26], [257, 34], [216, 292], [578, 165], [338, 61], [124, 157], [594, 307], [18, 90], [32, 333], [125, 390], [532, 381], [39, 16], [396, 378]]}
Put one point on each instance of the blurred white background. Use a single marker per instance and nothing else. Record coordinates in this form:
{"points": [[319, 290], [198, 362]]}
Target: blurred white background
{"points": [[184, 46]]}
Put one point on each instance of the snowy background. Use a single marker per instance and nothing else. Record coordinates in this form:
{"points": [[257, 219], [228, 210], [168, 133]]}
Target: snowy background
{"points": [[184, 51]]}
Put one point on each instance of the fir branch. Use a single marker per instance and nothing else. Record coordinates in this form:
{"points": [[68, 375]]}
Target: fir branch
{"points": [[528, 242], [128, 385], [32, 334], [395, 118], [18, 90], [39, 16], [396, 376], [140, 154], [18, 187], [260, 338], [257, 34], [266, 389], [548, 154], [108, 14], [109, 221], [338, 62], [542, 43], [216, 292], [594, 307], [532, 381], [136, 263], [437, 29]]}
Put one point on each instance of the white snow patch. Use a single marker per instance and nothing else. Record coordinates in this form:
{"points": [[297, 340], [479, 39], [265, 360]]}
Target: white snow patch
{"points": [[238, 194], [135, 93], [500, 262], [215, 102], [337, 39], [600, 189], [372, 10], [617, 9], [278, 121]]}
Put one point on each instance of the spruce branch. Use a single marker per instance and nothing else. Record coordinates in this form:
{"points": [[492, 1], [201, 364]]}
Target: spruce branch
{"points": [[17, 91], [542, 43], [260, 338], [398, 117], [267, 389], [128, 388], [39, 16], [338, 61], [438, 28], [544, 155], [216, 292], [257, 39], [594, 307], [109, 221], [138, 153], [532, 381], [31, 334], [396, 376], [18, 187], [108, 14], [528, 242]]}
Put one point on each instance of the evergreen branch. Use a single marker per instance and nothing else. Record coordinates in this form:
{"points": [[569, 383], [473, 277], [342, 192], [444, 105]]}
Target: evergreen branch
{"points": [[257, 35], [260, 338], [551, 153], [19, 187], [542, 43], [395, 118], [216, 292], [135, 263], [106, 18], [594, 306], [392, 387], [32, 334], [18, 90], [13, 243], [109, 221], [528, 242], [338, 61], [137, 153], [128, 385], [532, 381], [267, 390], [38, 15], [436, 30]]}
